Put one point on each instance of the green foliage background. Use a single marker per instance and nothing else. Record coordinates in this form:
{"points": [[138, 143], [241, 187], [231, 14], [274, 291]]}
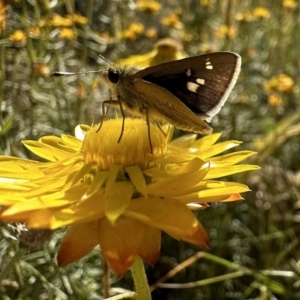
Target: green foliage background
{"points": [[254, 243]]}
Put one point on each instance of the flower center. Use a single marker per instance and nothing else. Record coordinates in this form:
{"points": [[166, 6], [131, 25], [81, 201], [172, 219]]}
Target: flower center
{"points": [[101, 147]]}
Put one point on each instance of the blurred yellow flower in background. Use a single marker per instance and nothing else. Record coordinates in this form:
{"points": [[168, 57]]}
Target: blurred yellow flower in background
{"points": [[67, 33], [78, 19], [245, 16], [289, 3], [18, 36], [256, 14], [134, 30], [226, 31], [149, 6], [206, 3], [59, 21], [281, 82], [172, 20], [261, 12], [34, 32], [164, 50], [41, 69], [119, 195], [274, 100], [151, 33]]}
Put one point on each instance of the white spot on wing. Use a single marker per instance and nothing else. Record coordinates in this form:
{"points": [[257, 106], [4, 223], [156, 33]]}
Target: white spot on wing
{"points": [[192, 87], [188, 72], [200, 81], [208, 65]]}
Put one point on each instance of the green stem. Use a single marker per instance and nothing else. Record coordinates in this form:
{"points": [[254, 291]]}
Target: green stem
{"points": [[140, 280]]}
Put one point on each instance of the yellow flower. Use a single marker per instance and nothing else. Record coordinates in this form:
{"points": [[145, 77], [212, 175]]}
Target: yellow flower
{"points": [[289, 3], [274, 100], [226, 31], [133, 31], [78, 19], [59, 21], [164, 50], [18, 36], [206, 3], [119, 195], [151, 33], [67, 33], [34, 32], [149, 6], [172, 20], [41, 69], [205, 48], [281, 82], [245, 16], [261, 12]]}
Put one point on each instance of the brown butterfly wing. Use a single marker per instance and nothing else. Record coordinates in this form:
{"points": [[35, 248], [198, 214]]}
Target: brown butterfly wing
{"points": [[202, 82], [161, 104]]}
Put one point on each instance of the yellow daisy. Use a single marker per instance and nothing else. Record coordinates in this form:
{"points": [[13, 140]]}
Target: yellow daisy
{"points": [[119, 195]]}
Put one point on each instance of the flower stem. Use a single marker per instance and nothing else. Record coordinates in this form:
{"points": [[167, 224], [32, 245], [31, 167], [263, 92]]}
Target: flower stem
{"points": [[140, 280]]}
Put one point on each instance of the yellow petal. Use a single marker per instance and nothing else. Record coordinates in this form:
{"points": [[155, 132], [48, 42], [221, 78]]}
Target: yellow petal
{"points": [[223, 191], [117, 198], [192, 166], [17, 217], [207, 140], [210, 151], [45, 151], [44, 189], [185, 140], [176, 185], [150, 247], [77, 242], [32, 205], [17, 168], [136, 176], [222, 172], [120, 243], [76, 176], [163, 214], [234, 157], [65, 143], [72, 144], [112, 176], [221, 198], [97, 183], [41, 219], [84, 211], [199, 238]]}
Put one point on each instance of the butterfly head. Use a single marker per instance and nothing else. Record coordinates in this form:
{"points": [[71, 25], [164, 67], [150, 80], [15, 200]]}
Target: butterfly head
{"points": [[111, 77]]}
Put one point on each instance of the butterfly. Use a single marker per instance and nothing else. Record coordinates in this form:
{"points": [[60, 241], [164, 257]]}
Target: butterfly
{"points": [[183, 92]]}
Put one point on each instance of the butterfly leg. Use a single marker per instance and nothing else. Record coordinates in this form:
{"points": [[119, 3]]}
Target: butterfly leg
{"points": [[104, 112], [160, 128], [123, 116], [144, 110]]}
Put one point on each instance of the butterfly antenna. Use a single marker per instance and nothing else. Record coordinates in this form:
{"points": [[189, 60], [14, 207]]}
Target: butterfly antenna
{"points": [[56, 74], [106, 60]]}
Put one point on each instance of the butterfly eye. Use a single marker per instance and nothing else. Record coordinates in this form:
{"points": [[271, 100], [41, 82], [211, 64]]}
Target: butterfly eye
{"points": [[113, 76]]}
